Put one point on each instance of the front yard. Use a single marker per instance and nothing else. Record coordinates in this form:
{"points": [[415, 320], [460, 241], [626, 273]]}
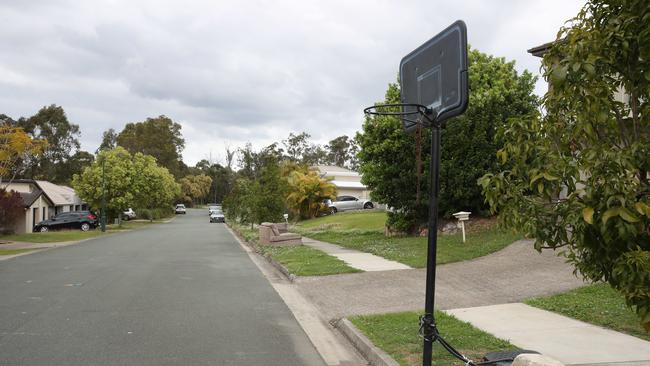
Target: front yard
{"points": [[364, 231]]}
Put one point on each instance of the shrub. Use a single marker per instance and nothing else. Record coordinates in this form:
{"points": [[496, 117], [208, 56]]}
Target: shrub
{"points": [[11, 208]]}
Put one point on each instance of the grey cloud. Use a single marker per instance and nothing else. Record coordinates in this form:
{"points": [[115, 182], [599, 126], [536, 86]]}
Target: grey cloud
{"points": [[236, 72]]}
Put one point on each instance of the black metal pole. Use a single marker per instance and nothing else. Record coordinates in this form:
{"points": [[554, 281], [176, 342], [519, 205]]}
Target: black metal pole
{"points": [[103, 217], [428, 320]]}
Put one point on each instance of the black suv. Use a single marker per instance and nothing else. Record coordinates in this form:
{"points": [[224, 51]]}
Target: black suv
{"points": [[83, 220]]}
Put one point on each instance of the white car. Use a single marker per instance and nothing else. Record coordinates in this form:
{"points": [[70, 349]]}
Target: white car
{"points": [[213, 208], [346, 203], [129, 214], [217, 216], [180, 209]]}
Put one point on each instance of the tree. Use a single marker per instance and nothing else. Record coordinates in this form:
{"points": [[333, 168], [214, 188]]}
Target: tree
{"points": [[159, 137], [130, 181], [339, 151], [50, 124], [153, 186], [75, 164], [117, 176], [296, 145], [307, 192], [109, 140], [195, 187], [259, 191], [11, 208], [16, 146], [591, 149], [387, 156]]}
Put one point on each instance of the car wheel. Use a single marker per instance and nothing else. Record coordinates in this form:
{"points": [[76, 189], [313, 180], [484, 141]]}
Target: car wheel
{"points": [[85, 226], [368, 206], [333, 210], [43, 229]]}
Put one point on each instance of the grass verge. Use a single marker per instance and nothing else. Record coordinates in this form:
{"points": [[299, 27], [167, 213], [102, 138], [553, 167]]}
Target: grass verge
{"points": [[75, 235], [397, 335], [412, 251], [300, 260], [597, 304], [13, 251], [306, 261], [53, 236]]}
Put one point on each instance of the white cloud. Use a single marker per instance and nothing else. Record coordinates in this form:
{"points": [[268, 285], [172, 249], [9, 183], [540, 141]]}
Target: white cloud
{"points": [[232, 72]]}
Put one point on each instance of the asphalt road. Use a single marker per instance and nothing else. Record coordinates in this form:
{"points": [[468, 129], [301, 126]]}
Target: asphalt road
{"points": [[182, 293]]}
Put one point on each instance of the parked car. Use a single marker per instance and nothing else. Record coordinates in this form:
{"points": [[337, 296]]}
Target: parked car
{"points": [[217, 216], [180, 209], [129, 214], [346, 203], [212, 207], [82, 220]]}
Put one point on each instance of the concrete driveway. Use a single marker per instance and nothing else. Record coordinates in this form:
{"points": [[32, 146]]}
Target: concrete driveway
{"points": [[181, 293]]}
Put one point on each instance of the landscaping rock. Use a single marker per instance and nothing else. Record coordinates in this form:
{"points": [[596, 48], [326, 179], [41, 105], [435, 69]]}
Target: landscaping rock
{"points": [[450, 228], [529, 359]]}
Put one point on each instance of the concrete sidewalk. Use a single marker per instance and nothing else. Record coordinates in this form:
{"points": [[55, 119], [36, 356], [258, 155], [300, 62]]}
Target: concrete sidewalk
{"points": [[568, 340], [360, 260], [513, 274]]}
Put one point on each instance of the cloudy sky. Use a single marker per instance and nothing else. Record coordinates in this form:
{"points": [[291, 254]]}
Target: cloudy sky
{"points": [[238, 71]]}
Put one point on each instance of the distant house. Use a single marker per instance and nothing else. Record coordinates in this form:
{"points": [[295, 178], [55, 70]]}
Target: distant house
{"points": [[42, 200], [347, 182]]}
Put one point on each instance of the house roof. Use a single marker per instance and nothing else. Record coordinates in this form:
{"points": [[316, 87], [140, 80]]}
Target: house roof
{"points": [[31, 197], [58, 195], [540, 50]]}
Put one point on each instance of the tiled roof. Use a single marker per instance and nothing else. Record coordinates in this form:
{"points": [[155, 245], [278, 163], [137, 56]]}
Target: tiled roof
{"points": [[29, 198]]}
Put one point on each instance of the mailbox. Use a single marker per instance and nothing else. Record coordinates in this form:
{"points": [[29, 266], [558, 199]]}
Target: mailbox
{"points": [[462, 216]]}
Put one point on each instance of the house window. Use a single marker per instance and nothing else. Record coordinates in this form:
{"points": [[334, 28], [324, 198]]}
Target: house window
{"points": [[43, 214], [71, 207], [77, 207]]}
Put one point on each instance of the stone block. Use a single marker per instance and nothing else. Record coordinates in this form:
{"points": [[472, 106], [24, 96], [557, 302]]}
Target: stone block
{"points": [[529, 359]]}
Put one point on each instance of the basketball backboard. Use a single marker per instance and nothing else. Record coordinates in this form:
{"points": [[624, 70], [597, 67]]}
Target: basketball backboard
{"points": [[435, 75]]}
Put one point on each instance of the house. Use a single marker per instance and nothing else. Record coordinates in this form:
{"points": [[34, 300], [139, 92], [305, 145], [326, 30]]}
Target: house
{"points": [[347, 182], [42, 200]]}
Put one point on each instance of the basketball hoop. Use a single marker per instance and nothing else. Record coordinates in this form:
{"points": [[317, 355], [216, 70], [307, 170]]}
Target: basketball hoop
{"points": [[410, 113]]}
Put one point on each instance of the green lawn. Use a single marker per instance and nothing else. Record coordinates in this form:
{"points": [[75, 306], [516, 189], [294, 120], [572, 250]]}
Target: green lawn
{"points": [[299, 260], [397, 335], [13, 251], [307, 261], [354, 220], [412, 251], [74, 235], [597, 304], [364, 231], [53, 236]]}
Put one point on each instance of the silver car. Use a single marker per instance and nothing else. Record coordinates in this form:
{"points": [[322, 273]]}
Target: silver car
{"points": [[346, 203]]}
